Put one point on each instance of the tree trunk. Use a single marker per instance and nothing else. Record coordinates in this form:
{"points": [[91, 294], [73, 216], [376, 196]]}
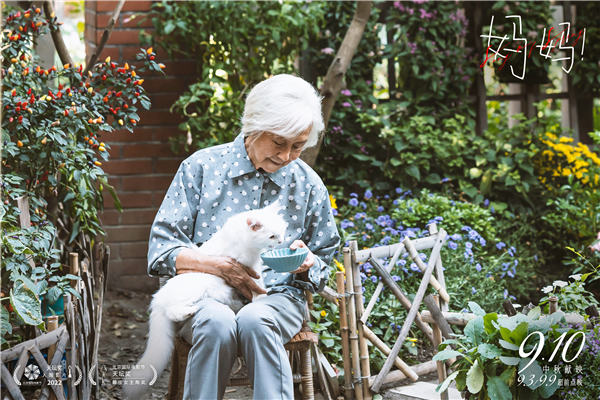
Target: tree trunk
{"points": [[334, 80]]}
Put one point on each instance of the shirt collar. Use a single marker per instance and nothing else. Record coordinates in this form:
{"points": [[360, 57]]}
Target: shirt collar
{"points": [[246, 167]]}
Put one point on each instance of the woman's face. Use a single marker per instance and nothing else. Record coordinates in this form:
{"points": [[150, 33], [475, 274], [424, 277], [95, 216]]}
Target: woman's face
{"points": [[271, 152]]}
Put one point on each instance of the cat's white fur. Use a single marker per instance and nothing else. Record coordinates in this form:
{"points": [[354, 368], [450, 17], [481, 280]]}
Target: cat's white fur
{"points": [[243, 237]]}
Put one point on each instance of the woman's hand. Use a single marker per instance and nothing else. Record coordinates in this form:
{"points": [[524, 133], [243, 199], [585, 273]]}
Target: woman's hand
{"points": [[232, 272], [309, 261]]}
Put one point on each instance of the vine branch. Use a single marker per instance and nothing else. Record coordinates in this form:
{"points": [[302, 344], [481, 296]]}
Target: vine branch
{"points": [[57, 38], [105, 36]]}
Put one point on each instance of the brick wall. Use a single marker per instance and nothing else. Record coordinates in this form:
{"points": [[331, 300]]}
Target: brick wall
{"points": [[142, 164]]}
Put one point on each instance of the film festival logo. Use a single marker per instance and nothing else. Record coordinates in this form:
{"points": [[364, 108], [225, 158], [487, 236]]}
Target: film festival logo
{"points": [[555, 46], [56, 375]]}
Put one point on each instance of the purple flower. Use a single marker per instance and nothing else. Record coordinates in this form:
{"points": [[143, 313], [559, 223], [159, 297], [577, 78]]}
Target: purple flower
{"points": [[473, 290], [334, 212], [353, 202], [368, 194], [346, 224], [380, 209], [327, 50], [452, 245], [478, 267], [346, 92], [500, 245], [486, 203], [353, 195], [346, 104], [399, 5]]}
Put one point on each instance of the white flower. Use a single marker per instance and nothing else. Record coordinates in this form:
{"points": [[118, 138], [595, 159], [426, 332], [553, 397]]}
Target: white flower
{"points": [[547, 289], [577, 277], [560, 284]]}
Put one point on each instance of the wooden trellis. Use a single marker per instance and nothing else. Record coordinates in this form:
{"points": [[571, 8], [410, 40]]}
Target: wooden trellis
{"points": [[353, 315], [76, 339]]}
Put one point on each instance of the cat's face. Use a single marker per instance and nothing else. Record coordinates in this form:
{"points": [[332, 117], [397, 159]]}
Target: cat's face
{"points": [[266, 226]]}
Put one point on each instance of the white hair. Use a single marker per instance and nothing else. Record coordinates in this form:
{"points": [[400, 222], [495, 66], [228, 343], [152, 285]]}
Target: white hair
{"points": [[285, 105]]}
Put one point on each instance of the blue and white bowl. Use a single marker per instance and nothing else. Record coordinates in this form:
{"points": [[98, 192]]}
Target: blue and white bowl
{"points": [[284, 260]]}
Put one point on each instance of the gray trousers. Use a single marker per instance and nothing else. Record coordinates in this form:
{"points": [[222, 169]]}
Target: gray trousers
{"points": [[257, 332]]}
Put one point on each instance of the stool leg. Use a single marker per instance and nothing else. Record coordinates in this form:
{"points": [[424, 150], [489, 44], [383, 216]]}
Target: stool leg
{"points": [[307, 377]]}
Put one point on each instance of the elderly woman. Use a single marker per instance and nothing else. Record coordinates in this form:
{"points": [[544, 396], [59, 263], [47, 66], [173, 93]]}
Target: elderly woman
{"points": [[282, 116]]}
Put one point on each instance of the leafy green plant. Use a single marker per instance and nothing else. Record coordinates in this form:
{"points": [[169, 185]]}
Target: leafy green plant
{"points": [[498, 356], [52, 154]]}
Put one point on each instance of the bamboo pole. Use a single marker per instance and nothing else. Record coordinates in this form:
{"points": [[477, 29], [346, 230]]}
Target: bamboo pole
{"points": [[553, 304], [360, 308], [406, 303], [396, 377], [414, 255], [10, 384], [341, 290], [439, 270], [354, 349], [74, 269], [389, 250], [435, 252], [401, 365], [437, 340], [41, 342], [379, 287]]}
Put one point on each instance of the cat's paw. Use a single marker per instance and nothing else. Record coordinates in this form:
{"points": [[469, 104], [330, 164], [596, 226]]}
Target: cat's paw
{"points": [[181, 312]]}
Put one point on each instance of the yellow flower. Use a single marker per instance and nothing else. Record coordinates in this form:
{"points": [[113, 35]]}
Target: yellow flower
{"points": [[551, 135], [332, 201], [566, 172], [565, 139], [411, 339], [339, 265], [323, 313]]}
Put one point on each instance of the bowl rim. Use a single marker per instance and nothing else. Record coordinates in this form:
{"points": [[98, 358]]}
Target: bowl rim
{"points": [[296, 252]]}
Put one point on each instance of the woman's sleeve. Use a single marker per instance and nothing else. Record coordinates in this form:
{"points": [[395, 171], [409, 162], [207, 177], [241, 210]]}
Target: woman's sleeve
{"points": [[321, 236], [173, 227]]}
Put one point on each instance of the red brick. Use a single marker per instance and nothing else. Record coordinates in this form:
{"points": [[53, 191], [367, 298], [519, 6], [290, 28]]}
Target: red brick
{"points": [[140, 217], [163, 134], [127, 233], [167, 165], [159, 117], [102, 20], [90, 18], [145, 150], [119, 36], [128, 167], [137, 282], [147, 182], [130, 200], [165, 85], [134, 250], [129, 52], [90, 5], [163, 100], [135, 20], [131, 5], [109, 51], [129, 266], [110, 217]]}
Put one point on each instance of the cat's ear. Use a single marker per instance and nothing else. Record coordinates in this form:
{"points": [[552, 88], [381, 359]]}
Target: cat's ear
{"points": [[254, 225]]}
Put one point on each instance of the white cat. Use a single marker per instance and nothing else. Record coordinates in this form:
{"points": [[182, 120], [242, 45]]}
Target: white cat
{"points": [[243, 237]]}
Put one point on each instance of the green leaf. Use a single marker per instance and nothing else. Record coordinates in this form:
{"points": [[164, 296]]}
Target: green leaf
{"points": [[516, 335], [475, 378], [5, 326], [446, 354], [444, 385], [508, 345], [474, 330], [488, 350], [26, 304], [510, 360], [476, 309], [487, 323], [413, 171], [532, 374], [497, 389], [548, 389]]}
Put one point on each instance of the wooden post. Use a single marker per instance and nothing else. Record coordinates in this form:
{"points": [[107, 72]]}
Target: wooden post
{"points": [[74, 269], [51, 324], [509, 308], [414, 255], [553, 304], [341, 290], [354, 349], [360, 308], [437, 340]]}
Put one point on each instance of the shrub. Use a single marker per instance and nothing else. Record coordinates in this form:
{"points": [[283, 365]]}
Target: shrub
{"points": [[52, 124]]}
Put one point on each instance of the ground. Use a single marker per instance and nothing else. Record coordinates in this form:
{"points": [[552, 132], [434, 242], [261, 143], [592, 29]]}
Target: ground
{"points": [[123, 339]]}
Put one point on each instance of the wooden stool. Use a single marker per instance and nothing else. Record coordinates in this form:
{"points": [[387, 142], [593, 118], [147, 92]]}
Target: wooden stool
{"points": [[298, 349]]}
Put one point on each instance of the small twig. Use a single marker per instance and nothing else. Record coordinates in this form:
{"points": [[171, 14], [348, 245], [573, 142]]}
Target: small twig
{"points": [[105, 36], [57, 38]]}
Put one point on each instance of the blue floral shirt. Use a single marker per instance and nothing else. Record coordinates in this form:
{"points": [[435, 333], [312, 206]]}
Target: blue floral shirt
{"points": [[217, 182]]}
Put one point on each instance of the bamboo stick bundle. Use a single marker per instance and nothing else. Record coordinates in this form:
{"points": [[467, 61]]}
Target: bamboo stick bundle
{"points": [[360, 308], [437, 340], [74, 269], [376, 386], [354, 348], [341, 290]]}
